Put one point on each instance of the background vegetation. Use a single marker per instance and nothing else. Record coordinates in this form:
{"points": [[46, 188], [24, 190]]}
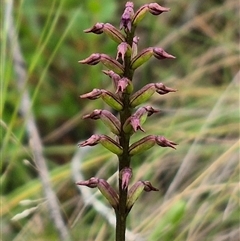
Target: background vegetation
{"points": [[199, 182]]}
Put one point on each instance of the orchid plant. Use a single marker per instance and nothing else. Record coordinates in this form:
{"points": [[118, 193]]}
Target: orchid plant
{"points": [[129, 106]]}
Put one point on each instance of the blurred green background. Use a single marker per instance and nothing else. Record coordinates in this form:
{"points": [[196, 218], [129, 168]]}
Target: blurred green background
{"points": [[199, 182]]}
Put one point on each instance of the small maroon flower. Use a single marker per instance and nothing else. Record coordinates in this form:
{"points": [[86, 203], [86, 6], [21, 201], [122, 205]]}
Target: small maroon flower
{"points": [[162, 89], [162, 141], [92, 182], [108, 192], [127, 17], [148, 142], [156, 9], [92, 141], [93, 95], [159, 53], [148, 187], [122, 85], [125, 175], [115, 77], [135, 123], [93, 59], [108, 29], [135, 46], [97, 29], [105, 141], [121, 51], [107, 118]]}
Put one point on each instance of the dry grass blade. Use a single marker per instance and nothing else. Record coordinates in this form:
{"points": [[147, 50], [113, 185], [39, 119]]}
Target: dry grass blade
{"points": [[33, 135]]}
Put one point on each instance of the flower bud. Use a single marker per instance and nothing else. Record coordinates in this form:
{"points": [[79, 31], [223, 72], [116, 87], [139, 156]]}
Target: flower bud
{"points": [[153, 8], [162, 141], [107, 118], [127, 17], [106, 141], [148, 142], [141, 58], [97, 29], [92, 141], [93, 95], [148, 187], [106, 60], [92, 182], [159, 53], [93, 59], [108, 97], [108, 29], [136, 190], [125, 176], [156, 9], [162, 89], [108, 192]]}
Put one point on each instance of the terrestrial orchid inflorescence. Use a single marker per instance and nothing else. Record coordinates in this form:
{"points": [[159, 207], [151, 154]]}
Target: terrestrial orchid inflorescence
{"points": [[125, 101]]}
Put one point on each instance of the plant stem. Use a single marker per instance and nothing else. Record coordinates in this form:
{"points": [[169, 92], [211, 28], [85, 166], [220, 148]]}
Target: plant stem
{"points": [[124, 159]]}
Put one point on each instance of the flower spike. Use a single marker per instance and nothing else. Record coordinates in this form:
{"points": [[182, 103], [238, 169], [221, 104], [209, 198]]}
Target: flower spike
{"points": [[125, 120]]}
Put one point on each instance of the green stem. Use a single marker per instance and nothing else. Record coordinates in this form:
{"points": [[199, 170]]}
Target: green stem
{"points": [[124, 159]]}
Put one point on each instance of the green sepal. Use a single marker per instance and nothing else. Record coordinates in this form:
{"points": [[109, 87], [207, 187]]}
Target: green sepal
{"points": [[139, 14], [112, 64], [112, 100], [141, 58], [111, 145], [142, 95], [108, 192], [134, 193], [142, 145]]}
